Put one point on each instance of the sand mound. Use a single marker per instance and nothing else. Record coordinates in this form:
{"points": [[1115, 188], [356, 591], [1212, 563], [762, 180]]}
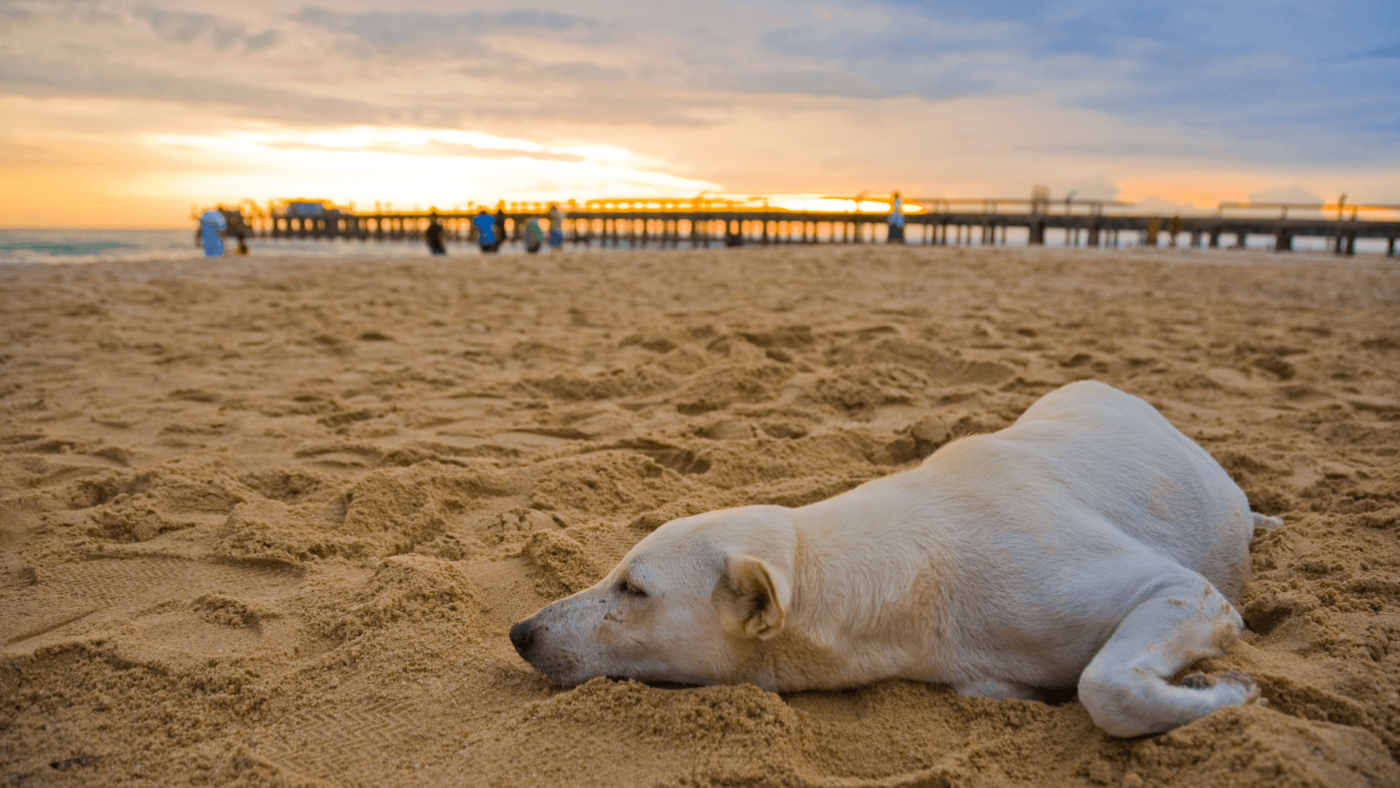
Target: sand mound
{"points": [[267, 522]]}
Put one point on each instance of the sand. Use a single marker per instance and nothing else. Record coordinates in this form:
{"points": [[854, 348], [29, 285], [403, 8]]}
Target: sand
{"points": [[267, 522]]}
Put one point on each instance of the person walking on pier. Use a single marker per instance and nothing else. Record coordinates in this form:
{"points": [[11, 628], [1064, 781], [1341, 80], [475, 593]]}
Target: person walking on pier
{"points": [[434, 234], [211, 224], [556, 227], [485, 231], [896, 219]]}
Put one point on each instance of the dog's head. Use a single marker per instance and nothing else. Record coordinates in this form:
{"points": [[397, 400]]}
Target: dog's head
{"points": [[687, 604]]}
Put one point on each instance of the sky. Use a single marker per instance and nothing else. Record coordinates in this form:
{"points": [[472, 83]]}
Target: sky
{"points": [[129, 113]]}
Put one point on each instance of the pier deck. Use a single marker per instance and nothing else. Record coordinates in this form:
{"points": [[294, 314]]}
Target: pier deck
{"points": [[694, 224]]}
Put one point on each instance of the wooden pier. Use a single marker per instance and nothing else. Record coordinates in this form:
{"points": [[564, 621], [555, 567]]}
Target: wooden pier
{"points": [[700, 223]]}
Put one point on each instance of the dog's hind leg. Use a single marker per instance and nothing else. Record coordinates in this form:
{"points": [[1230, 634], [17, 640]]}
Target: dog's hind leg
{"points": [[1125, 687], [1000, 689]]}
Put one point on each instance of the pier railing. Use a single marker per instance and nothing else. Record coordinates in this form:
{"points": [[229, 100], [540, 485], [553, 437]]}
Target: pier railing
{"points": [[704, 222]]}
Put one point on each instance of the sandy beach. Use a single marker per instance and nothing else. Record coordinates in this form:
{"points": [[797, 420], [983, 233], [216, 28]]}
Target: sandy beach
{"points": [[267, 522]]}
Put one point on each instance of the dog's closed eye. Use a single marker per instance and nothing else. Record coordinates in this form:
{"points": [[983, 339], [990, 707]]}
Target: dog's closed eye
{"points": [[628, 588]]}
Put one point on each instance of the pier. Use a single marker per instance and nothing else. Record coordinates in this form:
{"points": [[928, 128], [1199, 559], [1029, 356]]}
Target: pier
{"points": [[702, 223]]}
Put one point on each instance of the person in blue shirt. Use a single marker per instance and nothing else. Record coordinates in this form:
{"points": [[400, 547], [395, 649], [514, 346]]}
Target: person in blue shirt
{"points": [[211, 223], [485, 231]]}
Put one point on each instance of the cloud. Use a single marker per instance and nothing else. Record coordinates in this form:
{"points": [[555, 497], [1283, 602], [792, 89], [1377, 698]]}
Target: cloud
{"points": [[1153, 203], [529, 71], [896, 56], [76, 11], [222, 33], [1092, 190], [1293, 192], [893, 41], [1140, 146], [31, 76], [1390, 50], [439, 149], [1291, 81], [608, 111], [813, 82], [421, 33]]}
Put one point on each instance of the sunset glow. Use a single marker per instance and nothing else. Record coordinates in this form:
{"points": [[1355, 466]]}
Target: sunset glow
{"points": [[405, 167], [155, 106]]}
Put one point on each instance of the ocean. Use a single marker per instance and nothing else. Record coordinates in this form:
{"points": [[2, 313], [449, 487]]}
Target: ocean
{"points": [[99, 246]]}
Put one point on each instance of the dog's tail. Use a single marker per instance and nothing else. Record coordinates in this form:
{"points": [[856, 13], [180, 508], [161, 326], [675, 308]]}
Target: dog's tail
{"points": [[1266, 522]]}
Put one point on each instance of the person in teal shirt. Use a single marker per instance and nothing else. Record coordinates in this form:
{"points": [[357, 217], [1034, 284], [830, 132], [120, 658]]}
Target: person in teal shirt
{"points": [[534, 235]]}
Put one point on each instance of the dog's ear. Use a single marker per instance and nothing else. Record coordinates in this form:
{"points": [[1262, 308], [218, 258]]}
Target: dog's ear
{"points": [[753, 597]]}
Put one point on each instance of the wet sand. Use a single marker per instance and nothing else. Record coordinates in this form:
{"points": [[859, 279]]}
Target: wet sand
{"points": [[267, 522]]}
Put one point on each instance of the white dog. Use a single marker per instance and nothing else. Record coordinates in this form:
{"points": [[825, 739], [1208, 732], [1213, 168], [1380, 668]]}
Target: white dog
{"points": [[1089, 544]]}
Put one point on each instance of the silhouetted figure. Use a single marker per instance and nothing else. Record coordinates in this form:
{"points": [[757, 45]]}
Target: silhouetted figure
{"points": [[734, 237], [896, 219], [485, 231], [500, 223], [434, 234], [238, 230]]}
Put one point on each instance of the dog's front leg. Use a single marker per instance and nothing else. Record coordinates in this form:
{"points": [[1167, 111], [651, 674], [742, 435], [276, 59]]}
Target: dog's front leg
{"points": [[1125, 687]]}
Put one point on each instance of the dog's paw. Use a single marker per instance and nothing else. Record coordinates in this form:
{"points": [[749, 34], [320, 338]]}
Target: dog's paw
{"points": [[1197, 681], [1245, 682], [1233, 683]]}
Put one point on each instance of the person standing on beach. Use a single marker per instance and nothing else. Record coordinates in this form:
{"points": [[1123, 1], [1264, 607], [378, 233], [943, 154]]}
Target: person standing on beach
{"points": [[500, 223], [211, 224], [896, 219], [239, 230], [556, 227], [485, 231], [533, 235], [433, 235]]}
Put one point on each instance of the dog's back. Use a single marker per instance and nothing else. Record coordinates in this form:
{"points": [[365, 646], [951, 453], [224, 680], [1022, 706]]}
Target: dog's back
{"points": [[1122, 460]]}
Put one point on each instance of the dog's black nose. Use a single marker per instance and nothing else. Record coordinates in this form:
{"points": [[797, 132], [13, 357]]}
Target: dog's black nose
{"points": [[523, 636]]}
